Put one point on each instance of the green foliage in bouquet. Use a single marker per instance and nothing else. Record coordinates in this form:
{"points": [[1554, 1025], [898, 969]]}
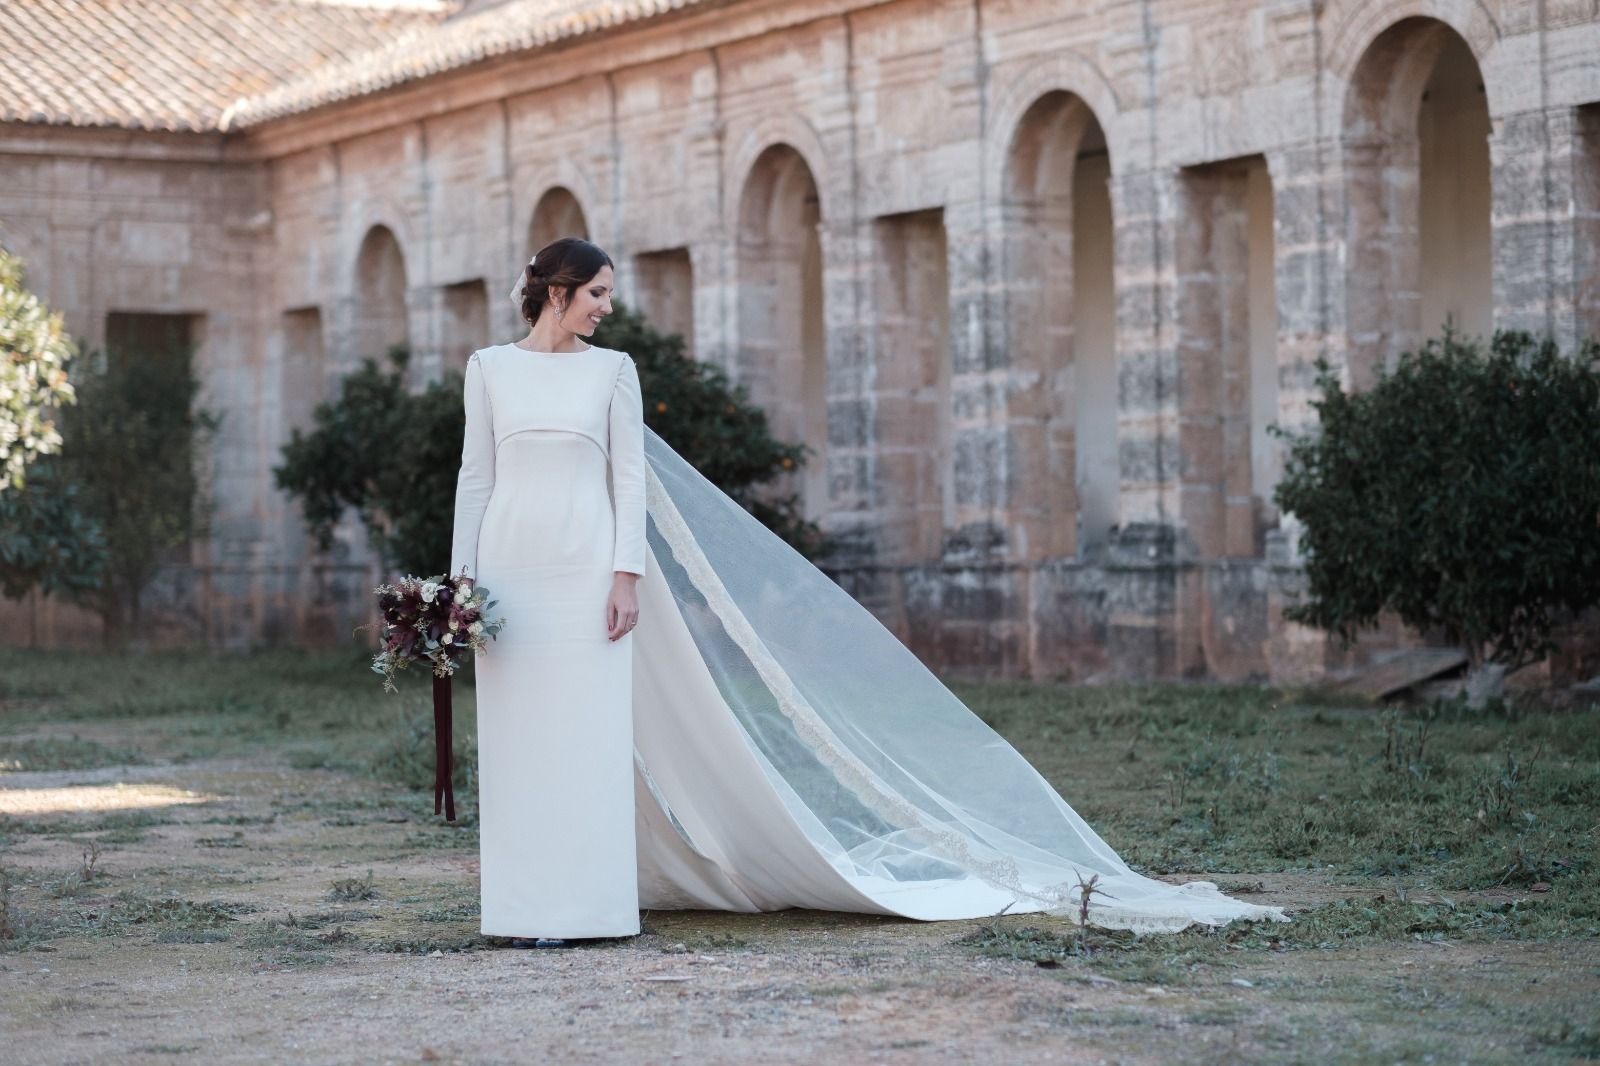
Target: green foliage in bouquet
{"points": [[133, 448], [711, 423], [1461, 491], [432, 620], [387, 453], [35, 349]]}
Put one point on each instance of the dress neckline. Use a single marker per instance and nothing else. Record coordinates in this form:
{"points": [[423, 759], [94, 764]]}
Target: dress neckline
{"points": [[530, 351]]}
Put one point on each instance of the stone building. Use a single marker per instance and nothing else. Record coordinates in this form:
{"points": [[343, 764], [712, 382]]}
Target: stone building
{"points": [[1031, 277]]}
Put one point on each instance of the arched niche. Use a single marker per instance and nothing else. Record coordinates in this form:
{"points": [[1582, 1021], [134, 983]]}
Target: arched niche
{"points": [[557, 214], [781, 353], [380, 313], [1060, 309], [1416, 161]]}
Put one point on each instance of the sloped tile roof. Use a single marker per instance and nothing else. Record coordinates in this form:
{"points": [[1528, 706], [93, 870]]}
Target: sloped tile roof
{"points": [[179, 64], [471, 37]]}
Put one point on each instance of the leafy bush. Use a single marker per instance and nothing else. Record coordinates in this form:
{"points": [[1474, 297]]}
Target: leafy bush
{"points": [[711, 423], [130, 450], [392, 455], [388, 454], [1461, 491], [34, 351], [48, 540]]}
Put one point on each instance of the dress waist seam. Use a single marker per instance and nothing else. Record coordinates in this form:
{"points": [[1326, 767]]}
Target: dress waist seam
{"points": [[571, 432]]}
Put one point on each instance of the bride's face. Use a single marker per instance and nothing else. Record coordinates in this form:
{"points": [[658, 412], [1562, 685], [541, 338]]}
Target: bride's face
{"points": [[590, 303]]}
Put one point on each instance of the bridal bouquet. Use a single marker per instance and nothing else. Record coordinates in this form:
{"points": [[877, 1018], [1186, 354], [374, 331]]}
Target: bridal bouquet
{"points": [[440, 622], [434, 621]]}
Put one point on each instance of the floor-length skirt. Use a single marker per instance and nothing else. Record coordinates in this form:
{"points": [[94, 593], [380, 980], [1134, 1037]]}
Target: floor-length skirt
{"points": [[554, 695]]}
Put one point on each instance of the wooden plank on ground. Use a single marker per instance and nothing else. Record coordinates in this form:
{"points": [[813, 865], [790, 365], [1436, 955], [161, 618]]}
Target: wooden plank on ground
{"points": [[1401, 670]]}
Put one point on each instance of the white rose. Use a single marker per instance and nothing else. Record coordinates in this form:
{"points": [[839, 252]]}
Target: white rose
{"points": [[430, 589], [454, 625], [448, 639], [475, 628]]}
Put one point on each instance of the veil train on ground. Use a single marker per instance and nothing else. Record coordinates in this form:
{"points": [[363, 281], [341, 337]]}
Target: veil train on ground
{"points": [[791, 752]]}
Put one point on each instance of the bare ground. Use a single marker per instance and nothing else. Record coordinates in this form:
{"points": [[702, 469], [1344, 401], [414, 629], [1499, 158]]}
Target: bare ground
{"points": [[208, 932]]}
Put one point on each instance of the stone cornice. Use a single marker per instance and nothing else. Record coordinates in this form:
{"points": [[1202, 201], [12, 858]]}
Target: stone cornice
{"points": [[700, 29], [116, 142]]}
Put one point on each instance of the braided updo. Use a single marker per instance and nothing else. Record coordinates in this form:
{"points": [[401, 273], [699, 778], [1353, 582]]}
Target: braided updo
{"points": [[563, 264]]}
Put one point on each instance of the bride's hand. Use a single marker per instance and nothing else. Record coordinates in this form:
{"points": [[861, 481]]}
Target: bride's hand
{"points": [[622, 606]]}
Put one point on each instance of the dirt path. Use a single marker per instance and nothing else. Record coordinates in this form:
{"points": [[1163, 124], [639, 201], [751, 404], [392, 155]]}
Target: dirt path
{"points": [[230, 917]]}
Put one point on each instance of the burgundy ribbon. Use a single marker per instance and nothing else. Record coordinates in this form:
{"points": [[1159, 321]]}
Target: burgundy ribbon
{"points": [[443, 787]]}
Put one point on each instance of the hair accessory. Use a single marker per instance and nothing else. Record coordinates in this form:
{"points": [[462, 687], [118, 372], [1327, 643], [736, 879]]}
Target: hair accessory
{"points": [[522, 277]]}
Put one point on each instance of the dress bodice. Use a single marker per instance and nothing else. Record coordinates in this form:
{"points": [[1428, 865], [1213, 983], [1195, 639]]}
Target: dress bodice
{"points": [[594, 394], [569, 391]]}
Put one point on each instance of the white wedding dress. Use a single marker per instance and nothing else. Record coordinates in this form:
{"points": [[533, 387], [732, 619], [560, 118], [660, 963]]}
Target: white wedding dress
{"points": [[534, 524], [759, 741]]}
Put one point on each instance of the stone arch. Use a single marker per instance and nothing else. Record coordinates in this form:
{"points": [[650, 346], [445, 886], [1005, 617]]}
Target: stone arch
{"points": [[781, 355], [1414, 146], [789, 131], [1353, 27], [1058, 287], [378, 209], [1018, 91], [557, 214], [381, 297]]}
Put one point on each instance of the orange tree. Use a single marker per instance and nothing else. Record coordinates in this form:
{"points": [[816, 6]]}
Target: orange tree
{"points": [[1461, 491], [712, 424]]}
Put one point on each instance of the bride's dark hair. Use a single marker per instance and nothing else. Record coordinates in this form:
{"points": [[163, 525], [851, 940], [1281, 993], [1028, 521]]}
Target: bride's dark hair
{"points": [[562, 264]]}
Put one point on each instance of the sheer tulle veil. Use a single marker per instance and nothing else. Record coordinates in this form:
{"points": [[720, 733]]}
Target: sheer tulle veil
{"points": [[895, 780], [915, 802]]}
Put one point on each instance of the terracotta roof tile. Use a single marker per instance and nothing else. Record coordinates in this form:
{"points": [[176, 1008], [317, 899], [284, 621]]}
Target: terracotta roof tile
{"points": [[178, 64], [471, 37]]}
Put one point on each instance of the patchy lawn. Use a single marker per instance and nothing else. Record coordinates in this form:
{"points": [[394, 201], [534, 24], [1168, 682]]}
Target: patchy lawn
{"points": [[219, 859]]}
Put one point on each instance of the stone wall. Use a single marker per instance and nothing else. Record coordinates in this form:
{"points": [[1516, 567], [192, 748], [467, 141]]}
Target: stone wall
{"points": [[1030, 279]]}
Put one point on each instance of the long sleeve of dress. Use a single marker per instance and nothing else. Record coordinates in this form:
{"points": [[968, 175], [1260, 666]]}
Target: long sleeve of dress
{"points": [[627, 468], [476, 479]]}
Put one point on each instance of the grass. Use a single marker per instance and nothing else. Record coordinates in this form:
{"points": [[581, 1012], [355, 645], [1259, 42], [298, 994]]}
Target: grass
{"points": [[1212, 778], [352, 889], [116, 827], [27, 754], [286, 942], [1190, 778], [131, 908], [1454, 827], [10, 920], [318, 712], [1174, 958], [465, 911], [325, 709]]}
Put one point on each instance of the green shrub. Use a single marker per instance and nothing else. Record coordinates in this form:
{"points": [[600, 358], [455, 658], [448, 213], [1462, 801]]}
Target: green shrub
{"points": [[48, 540], [132, 453], [388, 454], [711, 423], [1462, 491], [392, 455]]}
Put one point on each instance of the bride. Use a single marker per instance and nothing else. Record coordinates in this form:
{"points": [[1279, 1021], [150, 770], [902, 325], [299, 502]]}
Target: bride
{"points": [[683, 712]]}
